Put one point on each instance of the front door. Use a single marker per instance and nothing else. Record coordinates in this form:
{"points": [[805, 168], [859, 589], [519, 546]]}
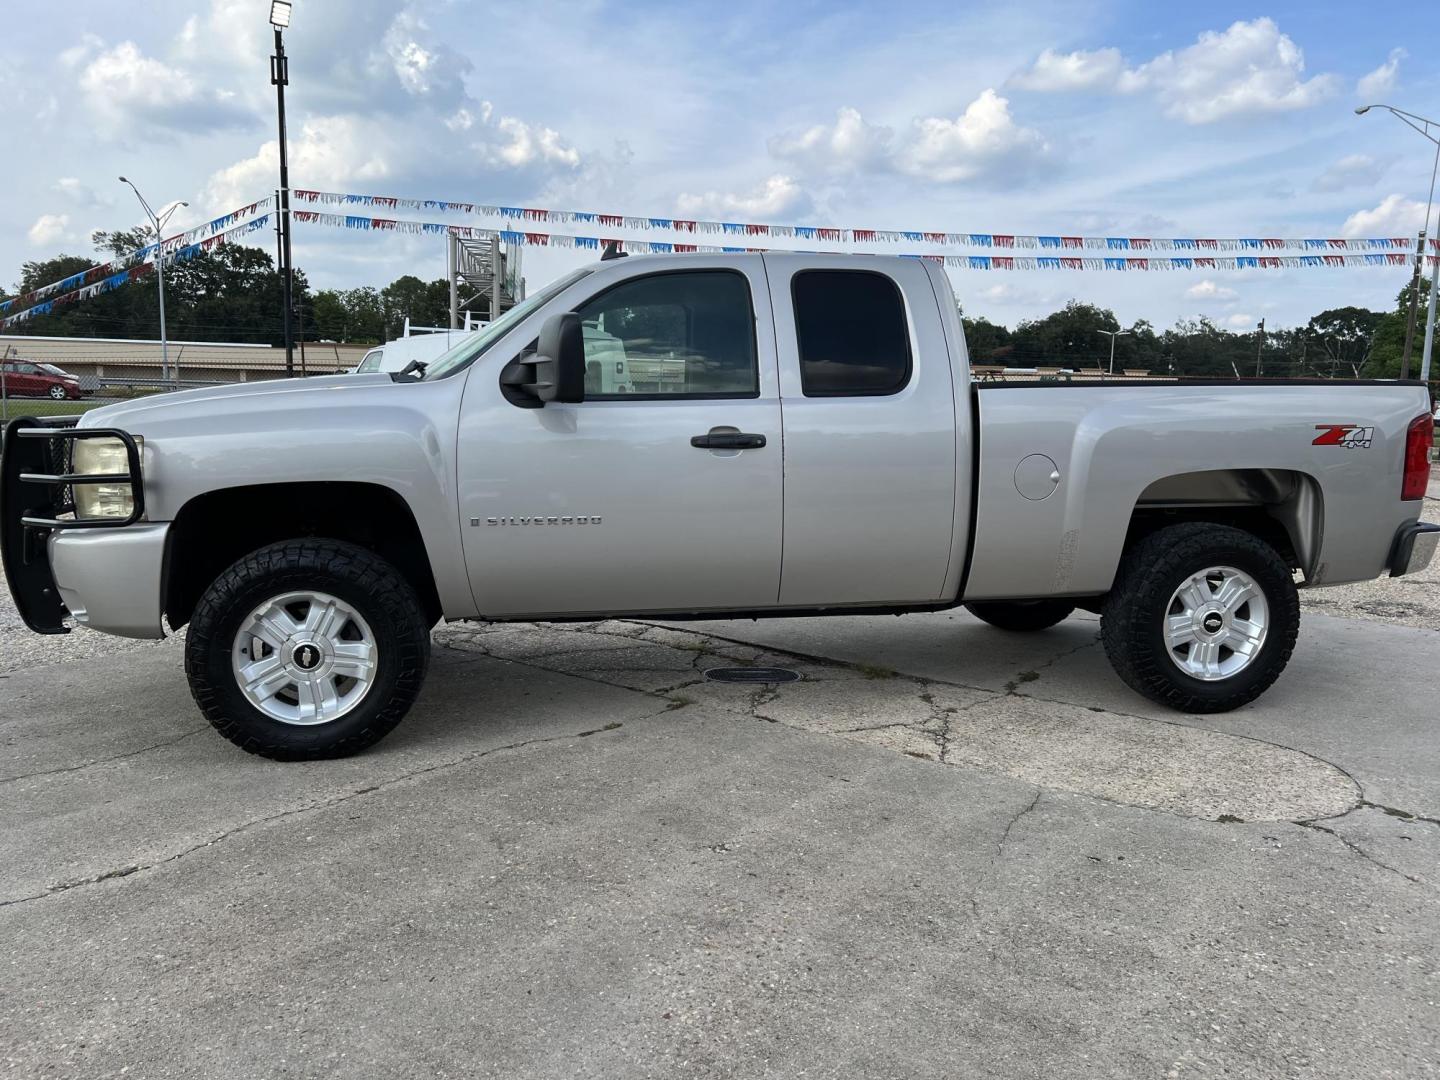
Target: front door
{"points": [[637, 499]]}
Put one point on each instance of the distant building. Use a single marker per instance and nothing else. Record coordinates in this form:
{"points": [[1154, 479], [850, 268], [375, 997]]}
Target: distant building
{"points": [[201, 361]]}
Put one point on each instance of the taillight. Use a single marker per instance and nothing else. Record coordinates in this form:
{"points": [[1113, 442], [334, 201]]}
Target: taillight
{"points": [[1417, 457]]}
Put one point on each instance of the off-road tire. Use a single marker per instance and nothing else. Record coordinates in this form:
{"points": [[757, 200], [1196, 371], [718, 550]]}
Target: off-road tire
{"points": [[357, 576], [1021, 616], [1133, 619]]}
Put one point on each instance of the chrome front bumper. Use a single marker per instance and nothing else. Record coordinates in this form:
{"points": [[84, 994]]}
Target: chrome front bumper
{"points": [[1414, 548]]}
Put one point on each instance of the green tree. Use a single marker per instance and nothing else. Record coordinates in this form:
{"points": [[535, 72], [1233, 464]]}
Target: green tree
{"points": [[121, 241], [1070, 337], [1342, 339], [987, 342], [1388, 348], [365, 312], [332, 321], [45, 271]]}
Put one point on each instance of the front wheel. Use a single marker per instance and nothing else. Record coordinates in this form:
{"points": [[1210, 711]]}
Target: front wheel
{"points": [[1021, 615], [307, 649], [1202, 617], [57, 393]]}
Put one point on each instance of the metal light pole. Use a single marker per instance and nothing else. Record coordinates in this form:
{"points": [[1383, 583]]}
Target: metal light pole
{"points": [[1259, 346], [1113, 335], [1424, 127], [280, 78], [158, 221]]}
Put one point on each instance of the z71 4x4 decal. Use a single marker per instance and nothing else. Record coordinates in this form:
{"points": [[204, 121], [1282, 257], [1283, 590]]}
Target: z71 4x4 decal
{"points": [[1347, 435]]}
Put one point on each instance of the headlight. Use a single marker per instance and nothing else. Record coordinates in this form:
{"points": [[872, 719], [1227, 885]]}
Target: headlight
{"points": [[103, 457]]}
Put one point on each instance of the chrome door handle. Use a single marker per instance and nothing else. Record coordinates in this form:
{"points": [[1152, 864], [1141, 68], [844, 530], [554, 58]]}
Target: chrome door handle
{"points": [[728, 440]]}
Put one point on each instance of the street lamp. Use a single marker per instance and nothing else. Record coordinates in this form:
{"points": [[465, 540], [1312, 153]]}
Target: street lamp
{"points": [[1113, 335], [280, 78], [158, 222], [1423, 126]]}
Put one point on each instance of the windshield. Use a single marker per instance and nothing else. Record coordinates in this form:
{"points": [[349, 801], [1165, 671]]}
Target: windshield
{"points": [[52, 370], [469, 350]]}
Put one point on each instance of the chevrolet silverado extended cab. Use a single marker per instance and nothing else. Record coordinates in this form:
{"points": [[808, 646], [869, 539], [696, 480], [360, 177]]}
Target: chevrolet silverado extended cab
{"points": [[700, 436]]}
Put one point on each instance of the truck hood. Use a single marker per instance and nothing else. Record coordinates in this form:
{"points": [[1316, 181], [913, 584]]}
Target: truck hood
{"points": [[319, 392]]}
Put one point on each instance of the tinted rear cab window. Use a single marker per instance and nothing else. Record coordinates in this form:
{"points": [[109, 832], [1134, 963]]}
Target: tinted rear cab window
{"points": [[852, 333]]}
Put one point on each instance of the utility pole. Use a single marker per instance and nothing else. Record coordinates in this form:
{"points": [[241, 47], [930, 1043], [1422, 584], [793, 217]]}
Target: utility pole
{"points": [[1113, 335], [280, 78], [157, 222], [1427, 128], [1260, 348], [452, 274], [1414, 305]]}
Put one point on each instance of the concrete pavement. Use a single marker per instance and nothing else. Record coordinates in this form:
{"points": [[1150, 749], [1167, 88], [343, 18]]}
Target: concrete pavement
{"points": [[947, 851]]}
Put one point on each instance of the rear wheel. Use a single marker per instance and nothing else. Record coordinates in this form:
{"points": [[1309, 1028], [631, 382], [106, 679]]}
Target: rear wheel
{"points": [[1202, 618], [307, 649], [1021, 615]]}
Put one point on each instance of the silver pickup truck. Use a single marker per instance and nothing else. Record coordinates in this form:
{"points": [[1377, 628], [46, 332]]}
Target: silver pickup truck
{"points": [[692, 436]]}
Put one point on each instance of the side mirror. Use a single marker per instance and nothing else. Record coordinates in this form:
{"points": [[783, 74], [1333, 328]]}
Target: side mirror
{"points": [[555, 371], [560, 361]]}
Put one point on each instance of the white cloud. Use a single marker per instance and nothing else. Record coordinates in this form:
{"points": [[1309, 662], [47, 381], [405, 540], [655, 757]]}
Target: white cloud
{"points": [[851, 143], [1053, 71], [1212, 291], [423, 65], [79, 192], [525, 144], [984, 141], [351, 153], [1353, 170], [1395, 216], [778, 197], [1247, 69], [49, 228], [1381, 81], [335, 153], [124, 89], [1241, 322]]}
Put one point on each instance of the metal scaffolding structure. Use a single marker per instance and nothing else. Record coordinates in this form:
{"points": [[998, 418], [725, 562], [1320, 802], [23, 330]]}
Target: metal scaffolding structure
{"points": [[486, 269]]}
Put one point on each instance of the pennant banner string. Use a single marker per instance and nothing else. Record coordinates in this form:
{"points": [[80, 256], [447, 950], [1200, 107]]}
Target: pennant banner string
{"points": [[139, 255], [364, 223], [136, 270], [1003, 241]]}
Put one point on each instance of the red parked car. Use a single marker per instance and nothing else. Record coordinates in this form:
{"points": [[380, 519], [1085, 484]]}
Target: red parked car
{"points": [[21, 378]]}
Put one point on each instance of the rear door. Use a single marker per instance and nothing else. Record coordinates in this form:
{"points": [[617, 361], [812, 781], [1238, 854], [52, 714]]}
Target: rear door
{"points": [[609, 505], [868, 402]]}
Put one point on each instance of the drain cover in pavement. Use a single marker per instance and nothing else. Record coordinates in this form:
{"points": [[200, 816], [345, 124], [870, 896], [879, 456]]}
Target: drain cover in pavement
{"points": [[752, 674]]}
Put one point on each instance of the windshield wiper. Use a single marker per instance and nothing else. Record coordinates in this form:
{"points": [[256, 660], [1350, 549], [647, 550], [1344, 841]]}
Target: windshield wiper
{"points": [[414, 367]]}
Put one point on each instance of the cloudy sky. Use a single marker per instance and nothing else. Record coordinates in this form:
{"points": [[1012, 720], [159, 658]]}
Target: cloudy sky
{"points": [[1122, 117]]}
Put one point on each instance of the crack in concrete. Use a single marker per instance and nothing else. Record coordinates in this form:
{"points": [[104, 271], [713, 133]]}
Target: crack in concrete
{"points": [[763, 695], [1391, 811], [104, 761], [1010, 825], [325, 804], [1358, 850], [808, 658], [1033, 674], [1000, 843]]}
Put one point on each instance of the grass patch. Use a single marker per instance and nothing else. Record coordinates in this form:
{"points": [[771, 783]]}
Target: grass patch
{"points": [[875, 671], [14, 407]]}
